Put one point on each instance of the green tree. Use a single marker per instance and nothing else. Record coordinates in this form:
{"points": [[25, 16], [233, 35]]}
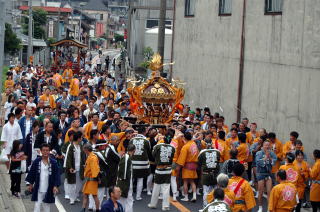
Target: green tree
{"points": [[118, 38], [12, 43], [40, 20], [147, 53]]}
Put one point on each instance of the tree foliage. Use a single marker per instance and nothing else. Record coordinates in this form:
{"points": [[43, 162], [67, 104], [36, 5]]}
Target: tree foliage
{"points": [[40, 20], [147, 54], [12, 43], [118, 38]]}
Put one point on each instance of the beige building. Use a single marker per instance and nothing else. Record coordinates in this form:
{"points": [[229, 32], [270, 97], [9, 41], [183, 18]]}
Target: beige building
{"points": [[279, 56]]}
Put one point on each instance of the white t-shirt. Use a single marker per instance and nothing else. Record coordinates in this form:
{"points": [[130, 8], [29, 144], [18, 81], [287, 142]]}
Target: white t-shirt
{"points": [[91, 82], [9, 134], [28, 126], [7, 106], [44, 177], [34, 151], [77, 154], [29, 76], [33, 105]]}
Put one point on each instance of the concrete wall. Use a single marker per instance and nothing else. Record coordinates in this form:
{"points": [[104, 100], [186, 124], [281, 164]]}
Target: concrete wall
{"points": [[138, 27], [281, 70]]}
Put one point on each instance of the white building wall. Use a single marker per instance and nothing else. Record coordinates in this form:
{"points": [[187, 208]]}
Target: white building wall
{"points": [[281, 91], [151, 40]]}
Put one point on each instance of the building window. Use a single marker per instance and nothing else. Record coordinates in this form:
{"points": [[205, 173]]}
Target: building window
{"points": [[150, 23], [101, 17], [225, 7], [189, 8], [274, 6]]}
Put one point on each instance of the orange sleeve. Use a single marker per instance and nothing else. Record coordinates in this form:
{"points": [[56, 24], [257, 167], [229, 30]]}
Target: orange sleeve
{"points": [[280, 151], [94, 166], [66, 138], [249, 197], [86, 132], [226, 155], [285, 149], [307, 170], [121, 147], [272, 200], [183, 156], [249, 138], [315, 171], [120, 135], [104, 93], [160, 142], [52, 102], [210, 197], [283, 167], [203, 145], [240, 152], [256, 140]]}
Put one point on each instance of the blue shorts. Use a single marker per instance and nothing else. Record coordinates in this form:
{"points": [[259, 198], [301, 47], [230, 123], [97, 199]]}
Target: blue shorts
{"points": [[263, 177]]}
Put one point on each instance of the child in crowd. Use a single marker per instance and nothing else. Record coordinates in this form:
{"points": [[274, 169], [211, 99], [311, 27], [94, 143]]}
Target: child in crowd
{"points": [[15, 171]]}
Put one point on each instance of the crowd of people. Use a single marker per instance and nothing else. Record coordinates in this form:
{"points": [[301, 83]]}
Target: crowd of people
{"points": [[77, 131]]}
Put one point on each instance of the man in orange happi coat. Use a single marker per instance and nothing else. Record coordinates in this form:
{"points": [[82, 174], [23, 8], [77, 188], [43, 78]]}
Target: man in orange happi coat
{"points": [[57, 79], [177, 142], [67, 75], [290, 146], [291, 170], [221, 145], [244, 194], [233, 140], [253, 134], [315, 185], [48, 99], [94, 124], [283, 197], [91, 172], [304, 171], [229, 196], [74, 89], [188, 159], [276, 147]]}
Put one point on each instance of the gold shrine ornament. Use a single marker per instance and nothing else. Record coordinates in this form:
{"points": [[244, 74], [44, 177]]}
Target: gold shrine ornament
{"points": [[156, 100]]}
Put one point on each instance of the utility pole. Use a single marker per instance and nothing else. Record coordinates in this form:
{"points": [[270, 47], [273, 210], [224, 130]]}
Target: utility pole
{"points": [[2, 34], [30, 29], [129, 29], [162, 29]]}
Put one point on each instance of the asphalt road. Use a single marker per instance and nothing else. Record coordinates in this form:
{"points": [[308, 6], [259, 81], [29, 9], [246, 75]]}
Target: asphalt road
{"points": [[63, 205], [112, 53]]}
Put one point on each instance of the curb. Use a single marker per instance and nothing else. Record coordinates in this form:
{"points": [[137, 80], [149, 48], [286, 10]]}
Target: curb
{"points": [[7, 202]]}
